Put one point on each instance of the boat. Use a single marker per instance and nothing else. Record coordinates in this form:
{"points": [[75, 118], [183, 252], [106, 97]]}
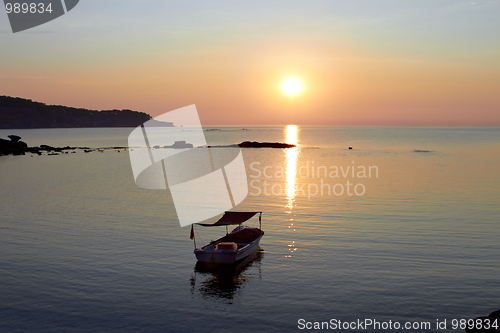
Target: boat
{"points": [[235, 245]]}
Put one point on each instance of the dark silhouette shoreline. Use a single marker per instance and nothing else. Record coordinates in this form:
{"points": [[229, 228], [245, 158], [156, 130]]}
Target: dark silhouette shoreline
{"points": [[20, 113], [17, 147]]}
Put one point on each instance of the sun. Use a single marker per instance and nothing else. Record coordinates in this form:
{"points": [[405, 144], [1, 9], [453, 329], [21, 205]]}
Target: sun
{"points": [[292, 86]]}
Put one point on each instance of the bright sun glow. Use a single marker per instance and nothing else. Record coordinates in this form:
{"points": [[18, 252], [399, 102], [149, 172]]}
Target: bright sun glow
{"points": [[292, 86]]}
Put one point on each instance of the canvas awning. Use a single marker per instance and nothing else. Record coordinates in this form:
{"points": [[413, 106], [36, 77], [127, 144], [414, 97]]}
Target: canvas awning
{"points": [[230, 218]]}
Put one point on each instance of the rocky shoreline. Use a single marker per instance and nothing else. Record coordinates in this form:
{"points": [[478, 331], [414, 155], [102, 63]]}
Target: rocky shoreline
{"points": [[17, 147]]}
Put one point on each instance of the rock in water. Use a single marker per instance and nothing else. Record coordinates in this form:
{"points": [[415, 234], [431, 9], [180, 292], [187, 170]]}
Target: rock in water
{"points": [[14, 146], [14, 138], [254, 144]]}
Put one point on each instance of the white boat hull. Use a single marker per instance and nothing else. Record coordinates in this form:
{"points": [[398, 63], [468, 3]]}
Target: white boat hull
{"points": [[227, 257]]}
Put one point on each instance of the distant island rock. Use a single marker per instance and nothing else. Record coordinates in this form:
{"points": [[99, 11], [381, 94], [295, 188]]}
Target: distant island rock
{"points": [[18, 113], [255, 144]]}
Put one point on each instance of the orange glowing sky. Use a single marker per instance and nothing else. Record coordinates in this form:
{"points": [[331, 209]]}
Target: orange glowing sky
{"points": [[371, 63]]}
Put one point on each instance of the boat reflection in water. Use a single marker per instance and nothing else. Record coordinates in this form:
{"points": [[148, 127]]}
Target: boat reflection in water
{"points": [[224, 281]]}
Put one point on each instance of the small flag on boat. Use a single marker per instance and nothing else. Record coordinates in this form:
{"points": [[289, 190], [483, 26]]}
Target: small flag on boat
{"points": [[192, 232]]}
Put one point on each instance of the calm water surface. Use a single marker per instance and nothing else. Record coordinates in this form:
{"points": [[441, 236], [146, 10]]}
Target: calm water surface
{"points": [[83, 249]]}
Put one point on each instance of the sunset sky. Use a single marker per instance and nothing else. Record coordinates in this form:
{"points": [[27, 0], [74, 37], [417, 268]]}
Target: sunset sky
{"points": [[360, 62]]}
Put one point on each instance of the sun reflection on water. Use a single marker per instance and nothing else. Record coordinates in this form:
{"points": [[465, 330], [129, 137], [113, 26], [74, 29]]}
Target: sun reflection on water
{"points": [[291, 164], [291, 178]]}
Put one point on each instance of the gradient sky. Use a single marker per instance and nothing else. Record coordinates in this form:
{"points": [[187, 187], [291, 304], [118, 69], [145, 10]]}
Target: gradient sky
{"points": [[362, 62]]}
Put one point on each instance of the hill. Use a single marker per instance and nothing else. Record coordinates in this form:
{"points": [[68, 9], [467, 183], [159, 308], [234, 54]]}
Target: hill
{"points": [[17, 113]]}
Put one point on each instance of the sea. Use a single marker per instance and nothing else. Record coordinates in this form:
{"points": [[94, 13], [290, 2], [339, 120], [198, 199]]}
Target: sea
{"points": [[390, 228]]}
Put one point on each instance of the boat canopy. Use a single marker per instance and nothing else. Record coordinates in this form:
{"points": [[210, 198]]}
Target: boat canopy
{"points": [[230, 218]]}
